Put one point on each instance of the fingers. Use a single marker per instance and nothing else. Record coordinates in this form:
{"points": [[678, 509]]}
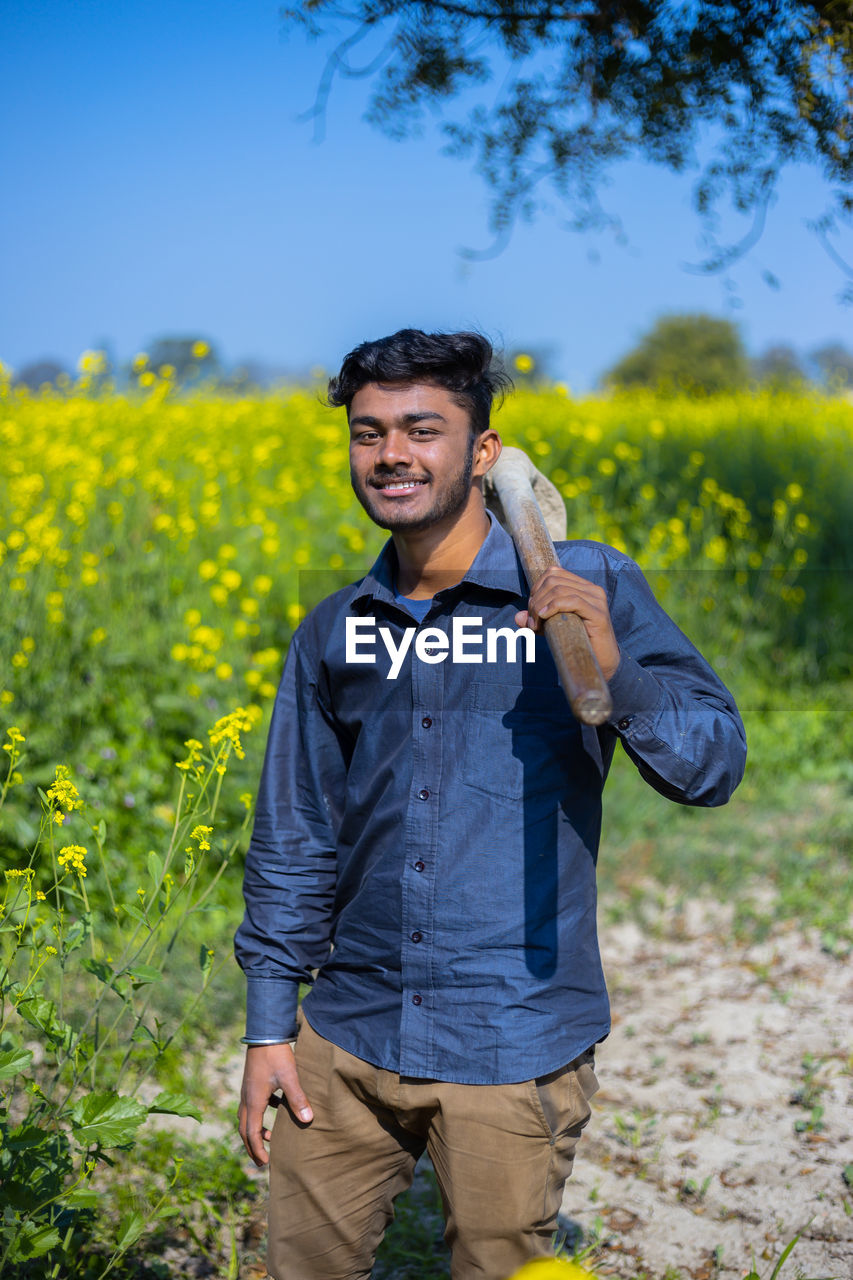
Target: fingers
{"points": [[560, 591], [267, 1069], [295, 1095], [252, 1129]]}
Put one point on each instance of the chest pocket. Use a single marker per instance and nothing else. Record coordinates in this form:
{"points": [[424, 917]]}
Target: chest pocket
{"points": [[520, 740]]}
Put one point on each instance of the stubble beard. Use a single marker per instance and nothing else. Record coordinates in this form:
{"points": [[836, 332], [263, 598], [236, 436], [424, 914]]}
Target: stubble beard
{"points": [[446, 504]]}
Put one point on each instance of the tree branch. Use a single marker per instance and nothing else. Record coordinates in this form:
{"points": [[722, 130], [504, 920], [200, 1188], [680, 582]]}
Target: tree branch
{"points": [[336, 64], [725, 256], [820, 229], [490, 15]]}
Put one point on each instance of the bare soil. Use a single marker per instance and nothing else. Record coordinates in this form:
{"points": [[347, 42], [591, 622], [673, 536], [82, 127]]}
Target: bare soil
{"points": [[724, 1123]]}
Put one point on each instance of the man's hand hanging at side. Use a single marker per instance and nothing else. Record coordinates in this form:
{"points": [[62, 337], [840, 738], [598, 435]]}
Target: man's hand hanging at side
{"points": [[560, 591], [268, 1067]]}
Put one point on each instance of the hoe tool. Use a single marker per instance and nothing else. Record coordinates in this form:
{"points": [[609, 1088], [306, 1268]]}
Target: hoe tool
{"points": [[532, 511]]}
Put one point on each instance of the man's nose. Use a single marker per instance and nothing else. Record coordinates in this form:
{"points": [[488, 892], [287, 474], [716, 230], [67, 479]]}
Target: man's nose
{"points": [[394, 450]]}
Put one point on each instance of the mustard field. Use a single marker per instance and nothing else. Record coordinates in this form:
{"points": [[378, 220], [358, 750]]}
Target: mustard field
{"points": [[156, 552]]}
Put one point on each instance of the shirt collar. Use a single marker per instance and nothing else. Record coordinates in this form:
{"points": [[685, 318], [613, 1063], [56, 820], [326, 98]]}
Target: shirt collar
{"points": [[496, 567]]}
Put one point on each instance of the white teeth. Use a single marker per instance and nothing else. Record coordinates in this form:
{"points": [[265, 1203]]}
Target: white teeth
{"points": [[407, 484]]}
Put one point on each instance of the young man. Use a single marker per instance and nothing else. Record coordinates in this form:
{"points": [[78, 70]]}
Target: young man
{"points": [[425, 839]]}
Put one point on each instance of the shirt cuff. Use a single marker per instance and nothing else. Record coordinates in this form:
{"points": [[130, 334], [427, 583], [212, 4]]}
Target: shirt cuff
{"points": [[271, 1005], [634, 691]]}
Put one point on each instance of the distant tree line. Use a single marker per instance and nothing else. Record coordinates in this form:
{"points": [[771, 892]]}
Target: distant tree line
{"points": [[706, 354], [680, 352], [187, 361]]}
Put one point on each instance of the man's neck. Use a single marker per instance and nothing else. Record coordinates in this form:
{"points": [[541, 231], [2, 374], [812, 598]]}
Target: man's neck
{"points": [[433, 559]]}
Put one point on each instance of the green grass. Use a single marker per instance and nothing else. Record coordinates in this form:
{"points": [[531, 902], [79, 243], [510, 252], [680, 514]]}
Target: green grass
{"points": [[780, 851]]}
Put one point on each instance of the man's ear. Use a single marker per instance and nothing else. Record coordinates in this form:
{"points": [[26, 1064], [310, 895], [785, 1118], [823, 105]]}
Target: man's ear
{"points": [[487, 450]]}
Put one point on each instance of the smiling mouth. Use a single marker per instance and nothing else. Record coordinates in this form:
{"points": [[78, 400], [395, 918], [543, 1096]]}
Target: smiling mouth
{"points": [[397, 486]]}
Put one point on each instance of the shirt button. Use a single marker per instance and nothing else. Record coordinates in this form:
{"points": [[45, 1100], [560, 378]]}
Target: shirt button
{"points": [[419, 866], [416, 936], [417, 999], [624, 723], [427, 722], [423, 795]]}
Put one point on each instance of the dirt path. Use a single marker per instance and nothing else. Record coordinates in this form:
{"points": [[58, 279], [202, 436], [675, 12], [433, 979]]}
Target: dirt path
{"points": [[724, 1123]]}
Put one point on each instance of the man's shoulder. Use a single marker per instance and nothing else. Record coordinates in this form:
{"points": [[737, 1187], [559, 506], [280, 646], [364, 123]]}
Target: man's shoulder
{"points": [[585, 556]]}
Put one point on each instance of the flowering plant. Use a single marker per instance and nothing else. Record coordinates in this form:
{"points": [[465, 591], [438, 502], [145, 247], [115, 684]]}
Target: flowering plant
{"points": [[79, 1041]]}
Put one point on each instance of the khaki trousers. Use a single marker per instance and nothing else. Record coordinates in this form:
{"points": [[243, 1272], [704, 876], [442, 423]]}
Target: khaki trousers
{"points": [[502, 1154]]}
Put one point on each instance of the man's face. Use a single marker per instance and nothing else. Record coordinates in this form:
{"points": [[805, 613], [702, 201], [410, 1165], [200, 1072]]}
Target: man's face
{"points": [[411, 454]]}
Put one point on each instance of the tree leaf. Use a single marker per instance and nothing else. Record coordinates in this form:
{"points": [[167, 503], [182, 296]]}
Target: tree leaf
{"points": [[13, 1061], [174, 1104], [107, 1119]]}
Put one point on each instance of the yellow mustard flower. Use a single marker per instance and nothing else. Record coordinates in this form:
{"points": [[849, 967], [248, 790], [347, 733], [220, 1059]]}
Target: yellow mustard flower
{"points": [[202, 834], [63, 792], [73, 858]]}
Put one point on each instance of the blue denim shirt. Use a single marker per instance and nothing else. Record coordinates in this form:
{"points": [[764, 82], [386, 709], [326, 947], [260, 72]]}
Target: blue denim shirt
{"points": [[427, 841]]}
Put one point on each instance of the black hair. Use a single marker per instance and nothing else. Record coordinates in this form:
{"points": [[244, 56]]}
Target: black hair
{"points": [[459, 362]]}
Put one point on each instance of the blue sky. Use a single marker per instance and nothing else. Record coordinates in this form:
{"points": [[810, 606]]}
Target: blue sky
{"points": [[157, 181]]}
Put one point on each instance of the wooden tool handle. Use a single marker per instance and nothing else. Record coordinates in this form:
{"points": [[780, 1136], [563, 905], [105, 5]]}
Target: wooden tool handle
{"points": [[578, 669]]}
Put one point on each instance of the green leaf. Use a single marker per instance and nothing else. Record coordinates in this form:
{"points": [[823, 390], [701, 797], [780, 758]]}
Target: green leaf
{"points": [[13, 1061], [41, 1013], [107, 1119], [205, 957], [142, 973], [783, 1257], [34, 1241], [130, 1229], [82, 1198], [103, 971], [101, 831], [26, 1136], [78, 933], [133, 910], [847, 1175], [155, 868], [174, 1104]]}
